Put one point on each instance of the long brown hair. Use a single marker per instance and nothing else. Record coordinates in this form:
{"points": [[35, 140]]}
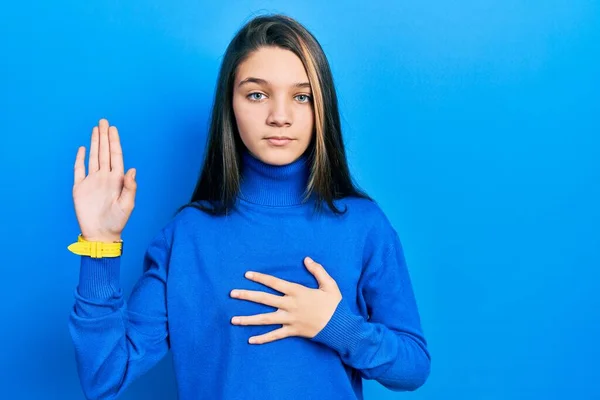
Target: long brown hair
{"points": [[330, 177]]}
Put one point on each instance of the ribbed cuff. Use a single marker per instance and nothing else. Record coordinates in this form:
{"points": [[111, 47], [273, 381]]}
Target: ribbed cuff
{"points": [[344, 331], [99, 278]]}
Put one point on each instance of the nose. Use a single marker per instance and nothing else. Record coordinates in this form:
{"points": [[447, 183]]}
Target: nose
{"points": [[279, 114]]}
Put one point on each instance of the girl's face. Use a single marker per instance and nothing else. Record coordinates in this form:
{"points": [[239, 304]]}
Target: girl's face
{"points": [[272, 99]]}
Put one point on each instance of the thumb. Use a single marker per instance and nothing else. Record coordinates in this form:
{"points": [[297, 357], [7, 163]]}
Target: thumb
{"points": [[127, 198], [323, 278]]}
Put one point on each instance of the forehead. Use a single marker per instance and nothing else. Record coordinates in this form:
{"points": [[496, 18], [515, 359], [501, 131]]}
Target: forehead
{"points": [[276, 65]]}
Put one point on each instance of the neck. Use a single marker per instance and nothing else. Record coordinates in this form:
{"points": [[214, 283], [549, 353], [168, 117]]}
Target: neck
{"points": [[273, 185]]}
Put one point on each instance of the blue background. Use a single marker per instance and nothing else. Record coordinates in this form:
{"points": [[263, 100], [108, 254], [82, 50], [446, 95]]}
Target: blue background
{"points": [[473, 123]]}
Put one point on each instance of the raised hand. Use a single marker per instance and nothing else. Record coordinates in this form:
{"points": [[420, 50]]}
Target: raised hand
{"points": [[104, 199]]}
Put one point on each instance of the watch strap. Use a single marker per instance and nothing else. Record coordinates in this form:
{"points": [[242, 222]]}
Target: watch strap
{"points": [[96, 249]]}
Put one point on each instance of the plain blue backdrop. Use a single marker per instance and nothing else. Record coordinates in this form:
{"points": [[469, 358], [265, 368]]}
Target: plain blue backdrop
{"points": [[473, 123]]}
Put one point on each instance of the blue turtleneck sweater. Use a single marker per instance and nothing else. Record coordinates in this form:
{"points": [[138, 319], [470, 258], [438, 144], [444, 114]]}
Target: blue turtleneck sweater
{"points": [[181, 303]]}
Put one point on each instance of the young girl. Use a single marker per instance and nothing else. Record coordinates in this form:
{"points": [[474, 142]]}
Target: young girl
{"points": [[279, 279]]}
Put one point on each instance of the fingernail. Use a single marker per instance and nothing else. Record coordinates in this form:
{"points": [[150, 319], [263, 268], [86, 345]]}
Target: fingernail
{"points": [[249, 275], [235, 320], [310, 260], [234, 293]]}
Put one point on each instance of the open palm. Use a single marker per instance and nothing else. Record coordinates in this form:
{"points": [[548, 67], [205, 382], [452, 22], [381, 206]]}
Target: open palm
{"points": [[104, 199]]}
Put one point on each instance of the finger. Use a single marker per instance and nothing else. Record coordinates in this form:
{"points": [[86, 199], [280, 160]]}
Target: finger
{"points": [[268, 299], [104, 151], [79, 169], [273, 282], [94, 145], [272, 318], [127, 198], [323, 278], [116, 152], [272, 336]]}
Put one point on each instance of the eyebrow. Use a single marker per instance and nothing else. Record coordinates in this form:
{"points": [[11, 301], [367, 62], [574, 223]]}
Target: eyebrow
{"points": [[261, 81]]}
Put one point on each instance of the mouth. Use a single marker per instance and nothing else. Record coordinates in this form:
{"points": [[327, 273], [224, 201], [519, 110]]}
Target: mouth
{"points": [[279, 140], [279, 137]]}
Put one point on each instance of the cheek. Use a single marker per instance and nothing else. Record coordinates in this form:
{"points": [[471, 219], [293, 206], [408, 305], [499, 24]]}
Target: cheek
{"points": [[308, 121], [247, 118]]}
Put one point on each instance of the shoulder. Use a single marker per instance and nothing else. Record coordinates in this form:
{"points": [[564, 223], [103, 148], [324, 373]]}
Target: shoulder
{"points": [[380, 235], [368, 211], [187, 219]]}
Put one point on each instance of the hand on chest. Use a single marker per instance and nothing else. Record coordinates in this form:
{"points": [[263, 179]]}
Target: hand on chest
{"points": [[299, 297]]}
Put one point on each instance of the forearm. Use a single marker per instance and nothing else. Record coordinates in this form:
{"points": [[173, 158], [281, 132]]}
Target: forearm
{"points": [[112, 345], [398, 360]]}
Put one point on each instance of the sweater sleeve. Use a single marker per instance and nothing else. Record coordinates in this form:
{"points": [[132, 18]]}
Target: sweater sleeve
{"points": [[115, 340], [388, 346]]}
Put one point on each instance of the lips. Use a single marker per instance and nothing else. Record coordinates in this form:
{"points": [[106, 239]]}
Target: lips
{"points": [[279, 140]]}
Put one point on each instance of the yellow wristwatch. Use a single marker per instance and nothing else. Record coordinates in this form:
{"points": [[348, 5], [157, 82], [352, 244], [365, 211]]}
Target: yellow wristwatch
{"points": [[96, 249]]}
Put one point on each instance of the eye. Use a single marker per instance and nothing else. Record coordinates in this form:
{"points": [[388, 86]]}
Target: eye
{"points": [[254, 99], [307, 97], [255, 96]]}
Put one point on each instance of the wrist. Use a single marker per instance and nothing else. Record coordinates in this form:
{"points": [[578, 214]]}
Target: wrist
{"points": [[97, 246], [102, 238]]}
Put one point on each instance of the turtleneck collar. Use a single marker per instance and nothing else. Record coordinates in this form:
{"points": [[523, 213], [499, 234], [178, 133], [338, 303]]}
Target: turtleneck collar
{"points": [[273, 185]]}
